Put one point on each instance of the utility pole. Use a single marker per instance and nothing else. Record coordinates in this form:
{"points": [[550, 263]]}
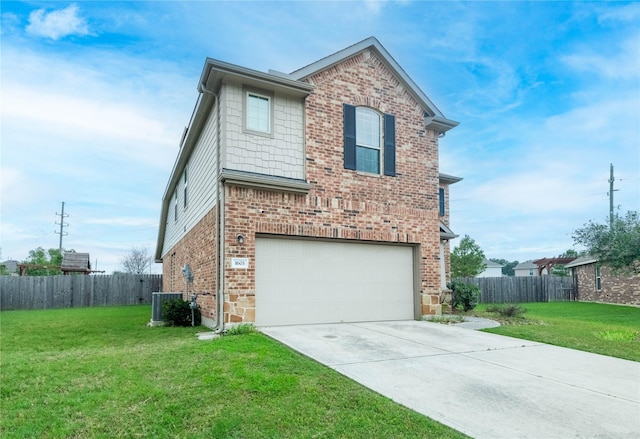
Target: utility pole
{"points": [[611, 191], [62, 225]]}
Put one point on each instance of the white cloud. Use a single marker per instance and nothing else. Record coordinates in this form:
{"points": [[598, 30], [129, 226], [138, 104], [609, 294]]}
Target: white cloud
{"points": [[622, 64], [57, 24], [100, 118], [623, 13]]}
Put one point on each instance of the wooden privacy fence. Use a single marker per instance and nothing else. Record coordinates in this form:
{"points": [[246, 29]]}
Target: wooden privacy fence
{"points": [[515, 289], [42, 292]]}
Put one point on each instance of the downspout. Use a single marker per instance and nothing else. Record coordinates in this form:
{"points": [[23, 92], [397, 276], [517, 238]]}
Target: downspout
{"points": [[219, 327]]}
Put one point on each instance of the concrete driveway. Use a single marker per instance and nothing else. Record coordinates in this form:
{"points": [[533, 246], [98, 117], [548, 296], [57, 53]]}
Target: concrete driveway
{"points": [[484, 385]]}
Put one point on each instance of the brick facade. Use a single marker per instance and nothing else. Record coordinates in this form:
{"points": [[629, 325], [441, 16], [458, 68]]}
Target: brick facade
{"points": [[619, 289], [198, 249], [341, 204]]}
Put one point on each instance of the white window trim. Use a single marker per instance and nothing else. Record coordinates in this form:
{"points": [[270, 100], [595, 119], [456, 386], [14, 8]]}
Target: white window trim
{"points": [[245, 102], [380, 141]]}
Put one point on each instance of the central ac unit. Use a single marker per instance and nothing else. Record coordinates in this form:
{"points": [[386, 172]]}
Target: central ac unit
{"points": [[157, 299]]}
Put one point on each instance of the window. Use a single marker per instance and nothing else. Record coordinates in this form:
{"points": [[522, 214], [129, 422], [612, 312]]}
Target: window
{"points": [[369, 140], [598, 278], [184, 201], [441, 197], [530, 271], [175, 205], [258, 112]]}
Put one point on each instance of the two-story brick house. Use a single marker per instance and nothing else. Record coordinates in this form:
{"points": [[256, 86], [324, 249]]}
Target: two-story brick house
{"points": [[309, 197]]}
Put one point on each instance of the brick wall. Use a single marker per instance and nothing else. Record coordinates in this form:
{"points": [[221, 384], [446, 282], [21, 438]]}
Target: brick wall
{"points": [[198, 249], [342, 204], [620, 289]]}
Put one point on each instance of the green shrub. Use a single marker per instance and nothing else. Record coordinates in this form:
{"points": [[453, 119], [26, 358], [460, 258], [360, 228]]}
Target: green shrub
{"points": [[464, 295], [177, 312], [243, 328], [507, 309]]}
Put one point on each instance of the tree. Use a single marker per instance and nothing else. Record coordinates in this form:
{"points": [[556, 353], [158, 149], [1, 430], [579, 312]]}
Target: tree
{"points": [[137, 261], [46, 262], [467, 259], [559, 269], [616, 245], [507, 267]]}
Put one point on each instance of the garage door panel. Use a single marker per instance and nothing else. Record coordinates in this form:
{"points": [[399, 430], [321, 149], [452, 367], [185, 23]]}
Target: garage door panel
{"points": [[304, 281]]}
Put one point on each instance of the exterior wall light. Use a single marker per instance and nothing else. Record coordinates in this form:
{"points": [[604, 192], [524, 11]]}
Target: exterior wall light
{"points": [[240, 239]]}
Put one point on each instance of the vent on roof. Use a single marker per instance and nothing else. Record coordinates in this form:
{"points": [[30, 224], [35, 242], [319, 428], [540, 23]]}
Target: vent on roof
{"points": [[157, 299]]}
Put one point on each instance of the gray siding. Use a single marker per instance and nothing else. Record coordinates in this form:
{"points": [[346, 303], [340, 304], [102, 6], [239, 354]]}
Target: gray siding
{"points": [[202, 175], [281, 154]]}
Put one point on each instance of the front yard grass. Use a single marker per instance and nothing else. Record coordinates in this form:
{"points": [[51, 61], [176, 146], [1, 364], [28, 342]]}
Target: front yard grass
{"points": [[102, 373], [612, 330]]}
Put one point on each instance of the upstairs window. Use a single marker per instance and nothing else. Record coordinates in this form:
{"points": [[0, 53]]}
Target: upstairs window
{"points": [[258, 112], [368, 135], [175, 205], [441, 199], [184, 201], [369, 140]]}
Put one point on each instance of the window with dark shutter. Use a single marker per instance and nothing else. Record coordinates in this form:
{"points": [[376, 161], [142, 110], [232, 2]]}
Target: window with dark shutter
{"points": [[364, 148], [390, 145], [349, 136]]}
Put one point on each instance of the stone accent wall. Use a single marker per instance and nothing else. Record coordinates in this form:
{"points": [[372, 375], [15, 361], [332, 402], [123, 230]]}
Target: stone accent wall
{"points": [[620, 289]]}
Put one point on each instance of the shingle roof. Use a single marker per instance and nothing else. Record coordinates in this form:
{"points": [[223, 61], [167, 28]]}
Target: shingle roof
{"points": [[527, 265], [582, 260], [75, 262]]}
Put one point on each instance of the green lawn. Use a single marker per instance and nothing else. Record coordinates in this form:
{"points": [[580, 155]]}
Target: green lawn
{"points": [[102, 373], [611, 330]]}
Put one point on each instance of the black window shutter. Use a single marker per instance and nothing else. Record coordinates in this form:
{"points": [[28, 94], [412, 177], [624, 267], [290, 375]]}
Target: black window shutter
{"points": [[390, 145], [441, 194], [349, 136]]}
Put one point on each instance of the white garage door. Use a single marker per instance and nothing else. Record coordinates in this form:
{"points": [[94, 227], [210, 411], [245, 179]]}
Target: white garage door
{"points": [[302, 281]]}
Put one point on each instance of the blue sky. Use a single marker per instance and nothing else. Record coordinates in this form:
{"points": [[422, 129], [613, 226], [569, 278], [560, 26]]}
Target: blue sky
{"points": [[95, 96]]}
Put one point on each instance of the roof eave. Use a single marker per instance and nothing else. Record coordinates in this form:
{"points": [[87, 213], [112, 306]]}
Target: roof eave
{"points": [[215, 71], [439, 124], [448, 179]]}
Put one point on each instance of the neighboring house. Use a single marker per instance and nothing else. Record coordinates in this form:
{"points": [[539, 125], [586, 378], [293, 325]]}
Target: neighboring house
{"points": [[309, 197], [11, 266], [596, 283], [528, 268], [492, 269]]}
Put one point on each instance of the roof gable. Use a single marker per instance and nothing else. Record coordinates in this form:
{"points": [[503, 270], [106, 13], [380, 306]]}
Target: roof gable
{"points": [[492, 264], [434, 119]]}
